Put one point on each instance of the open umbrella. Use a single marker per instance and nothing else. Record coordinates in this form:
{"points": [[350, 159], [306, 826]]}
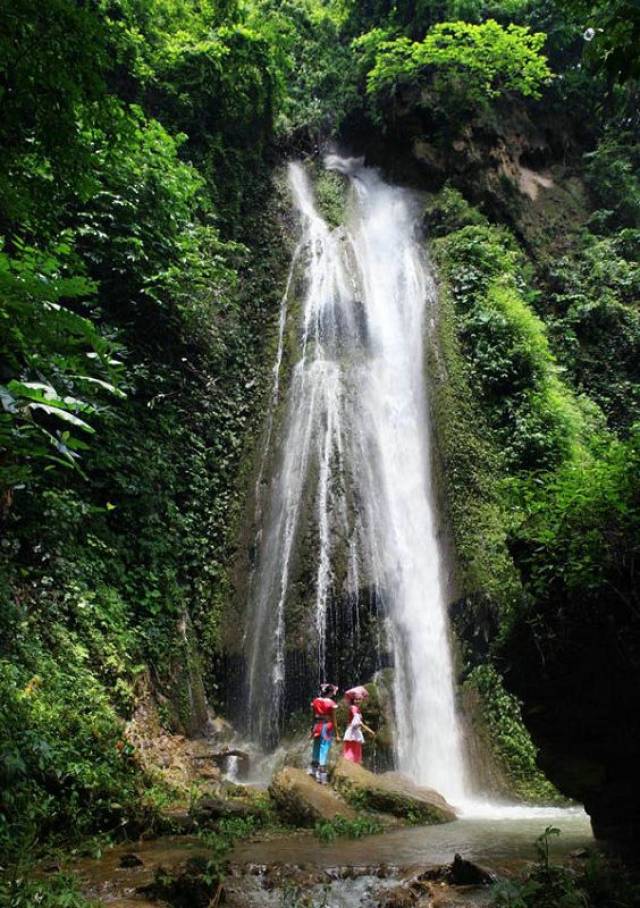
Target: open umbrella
{"points": [[357, 693]]}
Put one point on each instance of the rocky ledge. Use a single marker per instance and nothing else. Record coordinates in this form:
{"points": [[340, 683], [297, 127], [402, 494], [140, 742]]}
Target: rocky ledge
{"points": [[391, 792], [300, 800]]}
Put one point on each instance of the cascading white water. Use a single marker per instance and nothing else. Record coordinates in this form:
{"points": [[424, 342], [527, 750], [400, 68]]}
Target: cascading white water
{"points": [[354, 448]]}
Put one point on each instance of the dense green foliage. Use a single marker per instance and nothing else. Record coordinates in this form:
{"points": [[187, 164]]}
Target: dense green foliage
{"points": [[510, 744], [594, 286], [613, 31], [56, 360], [482, 61], [536, 408], [535, 421], [131, 354]]}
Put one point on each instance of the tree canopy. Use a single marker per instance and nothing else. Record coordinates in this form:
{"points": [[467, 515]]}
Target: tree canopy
{"points": [[488, 59]]}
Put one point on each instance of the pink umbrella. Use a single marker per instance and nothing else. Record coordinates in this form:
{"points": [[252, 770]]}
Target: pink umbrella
{"points": [[357, 693]]}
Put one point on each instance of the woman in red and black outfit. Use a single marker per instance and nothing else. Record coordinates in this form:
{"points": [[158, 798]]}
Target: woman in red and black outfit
{"points": [[324, 731]]}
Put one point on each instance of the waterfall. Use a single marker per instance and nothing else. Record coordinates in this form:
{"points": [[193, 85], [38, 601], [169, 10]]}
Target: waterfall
{"points": [[351, 479]]}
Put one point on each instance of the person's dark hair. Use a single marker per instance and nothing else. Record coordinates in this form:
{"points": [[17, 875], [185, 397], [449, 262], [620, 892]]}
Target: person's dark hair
{"points": [[328, 690]]}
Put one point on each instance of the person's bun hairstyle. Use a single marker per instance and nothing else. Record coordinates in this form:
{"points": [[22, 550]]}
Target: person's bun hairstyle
{"points": [[328, 690]]}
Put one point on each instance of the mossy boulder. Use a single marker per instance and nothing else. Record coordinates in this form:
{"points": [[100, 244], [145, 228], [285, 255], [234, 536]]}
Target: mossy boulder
{"points": [[300, 800], [391, 792]]}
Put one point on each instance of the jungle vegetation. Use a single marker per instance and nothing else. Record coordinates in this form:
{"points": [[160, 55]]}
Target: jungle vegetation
{"points": [[141, 263]]}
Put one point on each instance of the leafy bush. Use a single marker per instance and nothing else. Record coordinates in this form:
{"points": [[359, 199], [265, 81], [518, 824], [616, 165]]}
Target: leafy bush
{"points": [[536, 420], [612, 175], [449, 211], [59, 891], [57, 365], [117, 277], [596, 324], [478, 62], [322, 74], [579, 531], [64, 762], [613, 43]]}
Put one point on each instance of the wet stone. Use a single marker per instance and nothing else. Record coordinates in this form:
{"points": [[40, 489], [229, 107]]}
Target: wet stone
{"points": [[130, 860], [466, 873], [177, 820]]}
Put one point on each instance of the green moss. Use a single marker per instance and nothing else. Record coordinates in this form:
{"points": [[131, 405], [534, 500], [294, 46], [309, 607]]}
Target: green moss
{"points": [[186, 686], [468, 464], [503, 732], [330, 192], [499, 405], [534, 419], [380, 797]]}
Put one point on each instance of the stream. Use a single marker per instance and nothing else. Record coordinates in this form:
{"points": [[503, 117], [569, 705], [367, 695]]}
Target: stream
{"points": [[269, 869]]}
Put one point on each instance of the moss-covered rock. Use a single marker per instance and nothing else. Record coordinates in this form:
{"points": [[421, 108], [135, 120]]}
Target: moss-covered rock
{"points": [[331, 192], [300, 800], [505, 760], [391, 792]]}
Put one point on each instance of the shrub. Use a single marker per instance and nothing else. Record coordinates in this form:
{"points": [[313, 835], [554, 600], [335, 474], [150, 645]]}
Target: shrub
{"points": [[329, 830], [477, 62]]}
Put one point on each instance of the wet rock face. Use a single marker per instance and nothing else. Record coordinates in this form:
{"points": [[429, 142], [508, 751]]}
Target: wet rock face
{"points": [[181, 761], [391, 792], [582, 706], [378, 714], [183, 687], [300, 800]]}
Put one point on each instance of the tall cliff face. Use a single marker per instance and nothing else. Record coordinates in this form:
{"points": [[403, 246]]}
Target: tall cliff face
{"points": [[535, 362]]}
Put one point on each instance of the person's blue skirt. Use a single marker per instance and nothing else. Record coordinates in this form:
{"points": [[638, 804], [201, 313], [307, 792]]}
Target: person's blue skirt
{"points": [[321, 747]]}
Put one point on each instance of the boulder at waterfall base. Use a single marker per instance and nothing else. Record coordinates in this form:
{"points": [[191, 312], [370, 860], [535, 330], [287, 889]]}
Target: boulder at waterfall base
{"points": [[391, 792], [300, 800]]}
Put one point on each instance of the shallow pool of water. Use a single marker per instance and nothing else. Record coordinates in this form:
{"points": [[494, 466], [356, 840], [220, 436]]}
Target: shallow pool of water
{"points": [[503, 843], [346, 872]]}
